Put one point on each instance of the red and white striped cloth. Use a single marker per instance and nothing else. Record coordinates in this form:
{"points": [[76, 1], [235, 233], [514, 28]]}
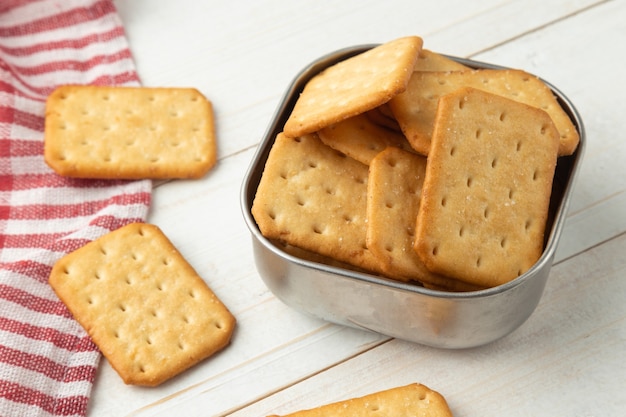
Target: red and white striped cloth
{"points": [[47, 362]]}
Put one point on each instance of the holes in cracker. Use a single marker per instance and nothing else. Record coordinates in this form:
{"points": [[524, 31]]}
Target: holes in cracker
{"points": [[317, 229], [535, 175], [392, 162], [444, 201], [502, 116], [528, 224], [435, 250], [360, 180]]}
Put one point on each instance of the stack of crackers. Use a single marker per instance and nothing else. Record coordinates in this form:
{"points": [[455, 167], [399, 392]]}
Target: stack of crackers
{"points": [[405, 163]]}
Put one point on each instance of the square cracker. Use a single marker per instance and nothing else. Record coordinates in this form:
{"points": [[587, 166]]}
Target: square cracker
{"points": [[405, 401], [143, 305], [314, 197], [394, 189], [129, 132], [487, 188], [354, 86], [360, 138], [415, 108]]}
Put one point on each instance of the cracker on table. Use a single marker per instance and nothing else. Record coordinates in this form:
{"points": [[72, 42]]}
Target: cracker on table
{"points": [[314, 197], [415, 108], [360, 138], [143, 305], [487, 188], [129, 132], [404, 401], [354, 86], [394, 191]]}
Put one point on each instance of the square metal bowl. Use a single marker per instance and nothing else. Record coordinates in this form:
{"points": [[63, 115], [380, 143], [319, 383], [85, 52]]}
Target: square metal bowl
{"points": [[397, 309]]}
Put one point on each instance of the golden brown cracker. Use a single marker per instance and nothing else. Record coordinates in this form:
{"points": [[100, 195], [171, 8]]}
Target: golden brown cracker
{"points": [[383, 117], [394, 191], [129, 132], [360, 138], [433, 61], [143, 305], [313, 197], [354, 86], [487, 188], [415, 108], [405, 401]]}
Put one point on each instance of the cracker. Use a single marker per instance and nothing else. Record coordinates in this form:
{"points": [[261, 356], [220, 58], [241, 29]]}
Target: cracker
{"points": [[405, 401], [383, 117], [415, 108], [360, 138], [129, 132], [487, 188], [394, 191], [313, 197], [433, 61], [354, 86], [143, 305]]}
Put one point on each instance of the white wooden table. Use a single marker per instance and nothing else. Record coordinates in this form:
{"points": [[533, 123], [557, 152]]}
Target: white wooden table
{"points": [[568, 359]]}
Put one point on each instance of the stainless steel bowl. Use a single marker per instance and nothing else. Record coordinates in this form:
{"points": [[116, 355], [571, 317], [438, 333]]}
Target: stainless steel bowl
{"points": [[392, 308]]}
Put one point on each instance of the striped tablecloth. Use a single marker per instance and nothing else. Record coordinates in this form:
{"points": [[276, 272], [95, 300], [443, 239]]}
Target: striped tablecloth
{"points": [[47, 362]]}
